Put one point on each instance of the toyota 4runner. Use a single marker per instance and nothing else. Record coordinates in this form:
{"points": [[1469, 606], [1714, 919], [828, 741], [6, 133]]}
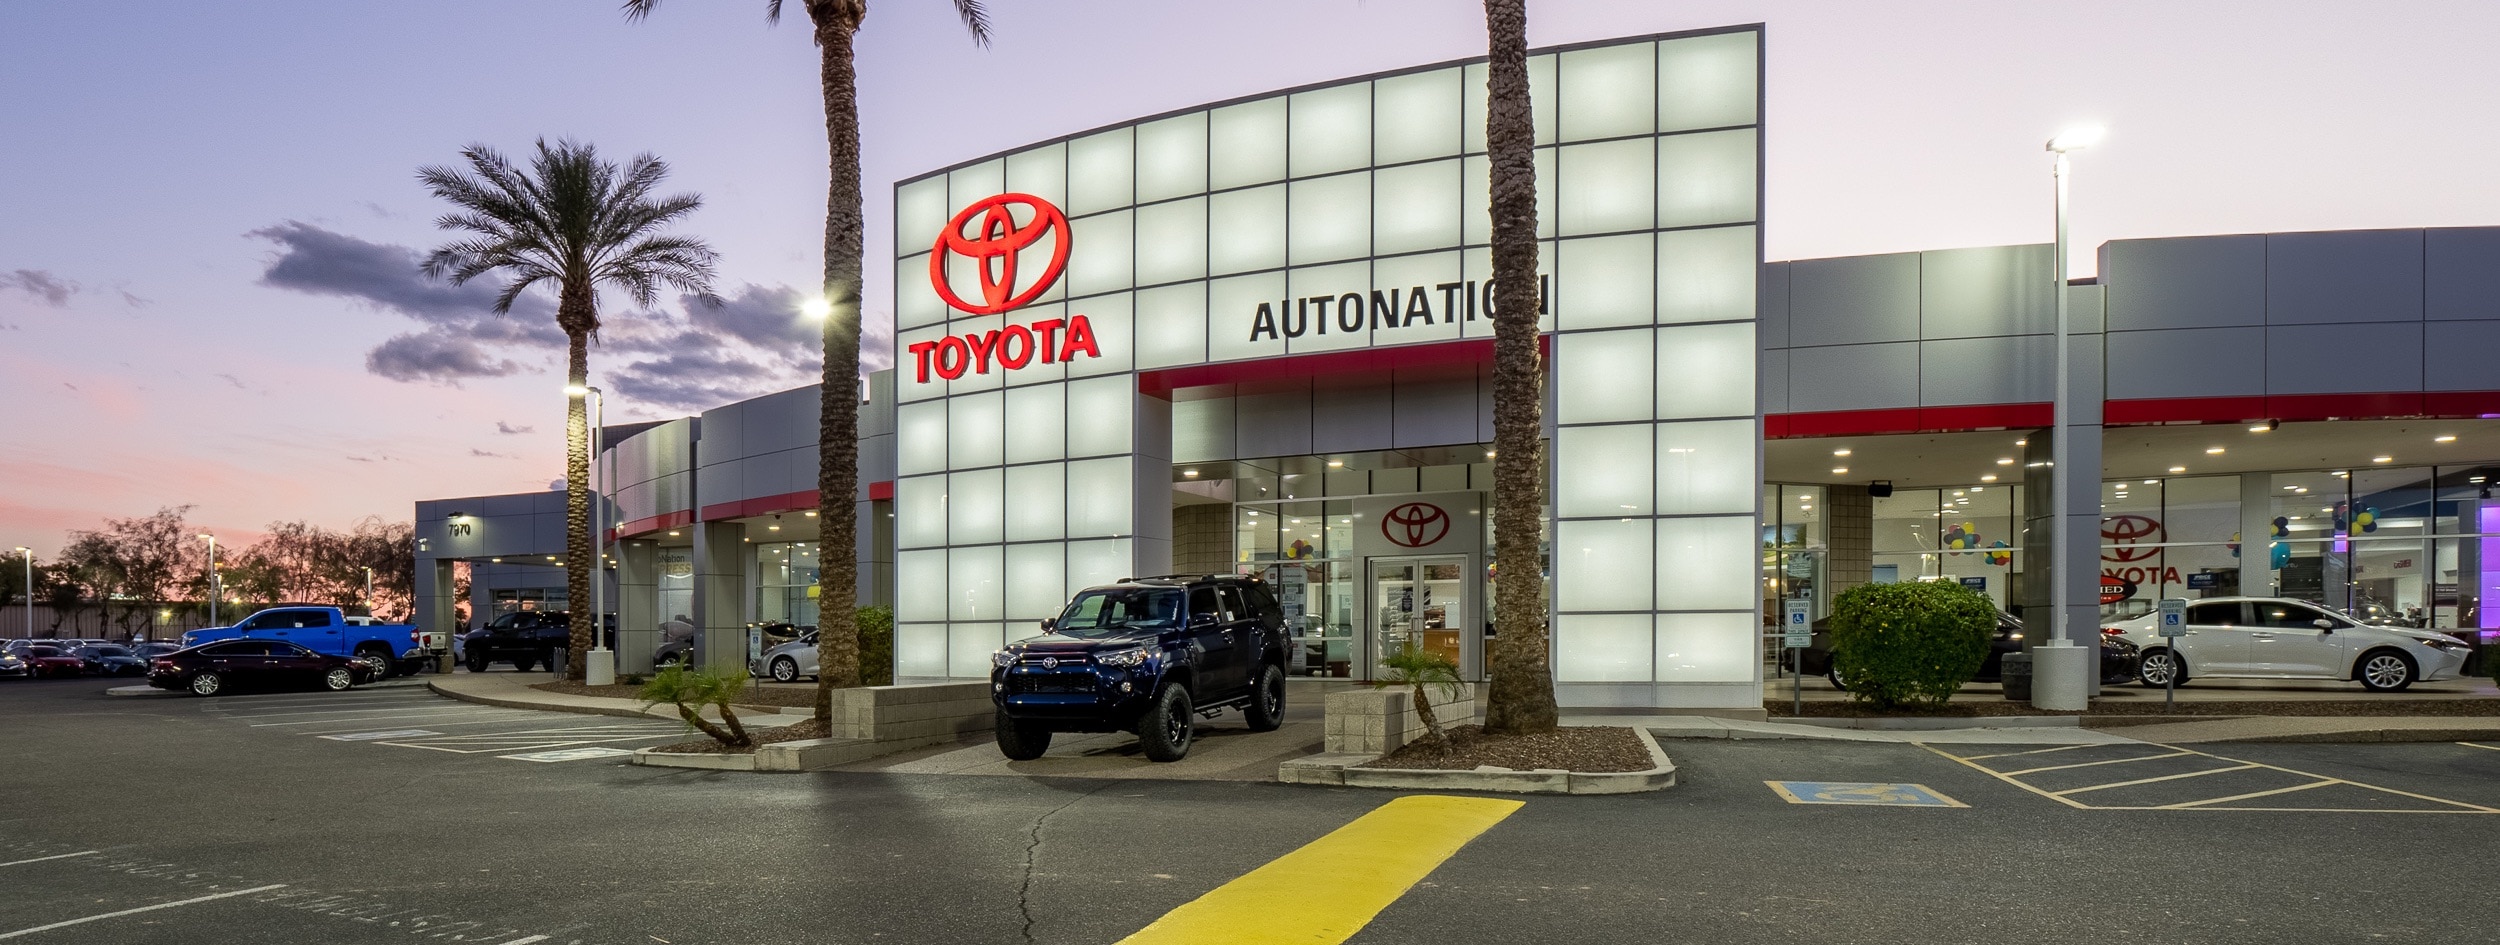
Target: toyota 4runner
{"points": [[1146, 655]]}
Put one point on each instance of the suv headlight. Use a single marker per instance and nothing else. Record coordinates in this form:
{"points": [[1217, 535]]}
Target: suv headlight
{"points": [[1002, 658], [1126, 658]]}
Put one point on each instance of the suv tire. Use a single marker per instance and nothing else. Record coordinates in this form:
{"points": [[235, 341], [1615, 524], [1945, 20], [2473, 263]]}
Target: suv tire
{"points": [[1021, 741], [477, 662], [1266, 709], [1167, 729], [383, 666]]}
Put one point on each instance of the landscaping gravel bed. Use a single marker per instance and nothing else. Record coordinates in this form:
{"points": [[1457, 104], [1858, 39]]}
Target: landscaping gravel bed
{"points": [[761, 736], [1571, 748]]}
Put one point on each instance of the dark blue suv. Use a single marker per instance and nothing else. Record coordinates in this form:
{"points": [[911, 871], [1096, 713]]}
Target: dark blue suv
{"points": [[1145, 655]]}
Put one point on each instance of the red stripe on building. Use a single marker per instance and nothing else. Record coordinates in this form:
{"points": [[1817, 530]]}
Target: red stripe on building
{"points": [[2142, 412], [879, 491], [645, 526]]}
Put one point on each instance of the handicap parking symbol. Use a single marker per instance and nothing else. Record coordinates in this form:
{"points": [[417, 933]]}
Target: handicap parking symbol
{"points": [[1861, 793]]}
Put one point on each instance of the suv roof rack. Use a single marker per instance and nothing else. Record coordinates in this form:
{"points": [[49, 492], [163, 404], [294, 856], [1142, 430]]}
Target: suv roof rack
{"points": [[1190, 577]]}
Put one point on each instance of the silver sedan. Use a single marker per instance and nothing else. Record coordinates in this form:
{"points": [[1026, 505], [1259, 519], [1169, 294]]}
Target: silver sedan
{"points": [[789, 661]]}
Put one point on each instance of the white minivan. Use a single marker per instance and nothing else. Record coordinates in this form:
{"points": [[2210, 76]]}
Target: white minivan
{"points": [[2273, 638]]}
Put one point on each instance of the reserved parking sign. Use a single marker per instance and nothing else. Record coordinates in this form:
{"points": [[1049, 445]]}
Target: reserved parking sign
{"points": [[2173, 620]]}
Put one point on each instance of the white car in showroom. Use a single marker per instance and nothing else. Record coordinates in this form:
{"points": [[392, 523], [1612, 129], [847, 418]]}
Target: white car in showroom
{"points": [[2273, 638]]}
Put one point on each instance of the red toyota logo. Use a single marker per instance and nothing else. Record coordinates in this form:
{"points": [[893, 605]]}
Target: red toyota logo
{"points": [[2123, 532], [987, 234], [1415, 524]]}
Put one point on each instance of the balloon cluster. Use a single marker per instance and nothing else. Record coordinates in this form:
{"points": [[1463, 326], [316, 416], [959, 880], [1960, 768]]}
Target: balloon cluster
{"points": [[1999, 554], [1962, 538], [1299, 550]]}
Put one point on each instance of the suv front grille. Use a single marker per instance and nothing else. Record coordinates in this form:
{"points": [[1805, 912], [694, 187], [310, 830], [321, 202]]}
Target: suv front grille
{"points": [[1051, 682]]}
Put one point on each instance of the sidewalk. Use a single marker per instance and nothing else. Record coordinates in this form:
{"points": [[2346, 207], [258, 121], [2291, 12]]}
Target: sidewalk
{"points": [[512, 691]]}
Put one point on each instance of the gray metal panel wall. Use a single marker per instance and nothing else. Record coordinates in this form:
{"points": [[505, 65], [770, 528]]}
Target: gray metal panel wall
{"points": [[1853, 300], [2461, 272], [1774, 322], [1986, 370], [2187, 362], [2458, 355], [2193, 282], [2334, 359], [1853, 377], [1986, 292], [2345, 276]]}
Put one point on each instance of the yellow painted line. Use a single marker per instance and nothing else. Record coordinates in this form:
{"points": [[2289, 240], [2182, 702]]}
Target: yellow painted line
{"points": [[2242, 797], [1991, 772], [2166, 777], [2088, 764], [2035, 751], [1332, 887]]}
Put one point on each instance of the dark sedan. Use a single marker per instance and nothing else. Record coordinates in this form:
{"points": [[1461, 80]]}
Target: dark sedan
{"points": [[213, 668], [2118, 657], [45, 661], [107, 659]]}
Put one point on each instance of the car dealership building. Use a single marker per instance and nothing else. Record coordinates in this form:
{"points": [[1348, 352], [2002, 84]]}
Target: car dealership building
{"points": [[1256, 336]]}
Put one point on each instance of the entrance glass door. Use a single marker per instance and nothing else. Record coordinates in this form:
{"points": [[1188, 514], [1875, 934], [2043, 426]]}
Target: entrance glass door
{"points": [[1426, 602]]}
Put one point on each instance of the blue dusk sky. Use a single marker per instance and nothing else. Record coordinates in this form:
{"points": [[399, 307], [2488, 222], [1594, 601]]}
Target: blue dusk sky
{"points": [[207, 289]]}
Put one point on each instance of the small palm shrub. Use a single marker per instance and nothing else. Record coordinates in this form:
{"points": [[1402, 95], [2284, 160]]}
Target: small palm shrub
{"points": [[1421, 670], [1909, 644], [690, 691]]}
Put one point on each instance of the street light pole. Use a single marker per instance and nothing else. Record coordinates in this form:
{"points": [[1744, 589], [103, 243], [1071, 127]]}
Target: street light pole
{"points": [[29, 555], [2059, 664], [368, 590], [215, 586]]}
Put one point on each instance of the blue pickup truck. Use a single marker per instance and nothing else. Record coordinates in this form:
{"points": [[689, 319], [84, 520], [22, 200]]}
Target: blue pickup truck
{"points": [[391, 647]]}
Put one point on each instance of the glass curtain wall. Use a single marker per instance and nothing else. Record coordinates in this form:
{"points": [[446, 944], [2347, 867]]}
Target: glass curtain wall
{"points": [[1965, 534], [786, 592], [1305, 551], [2168, 537], [1795, 551]]}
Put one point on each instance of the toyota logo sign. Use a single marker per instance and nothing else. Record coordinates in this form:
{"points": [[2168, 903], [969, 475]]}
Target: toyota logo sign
{"points": [[1415, 524], [988, 234], [2123, 533]]}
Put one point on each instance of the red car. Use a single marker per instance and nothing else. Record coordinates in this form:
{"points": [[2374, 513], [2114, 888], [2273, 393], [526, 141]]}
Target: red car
{"points": [[52, 661]]}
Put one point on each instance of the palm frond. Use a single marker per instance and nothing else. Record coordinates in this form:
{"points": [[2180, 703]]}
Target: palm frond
{"points": [[976, 19], [637, 9]]}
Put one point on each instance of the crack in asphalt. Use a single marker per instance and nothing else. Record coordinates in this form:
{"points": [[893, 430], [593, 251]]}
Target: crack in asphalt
{"points": [[1032, 851]]}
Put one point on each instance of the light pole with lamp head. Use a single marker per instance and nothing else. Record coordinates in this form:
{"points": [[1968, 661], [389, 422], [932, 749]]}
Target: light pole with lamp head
{"points": [[368, 590], [599, 668], [215, 586], [2059, 664], [29, 555]]}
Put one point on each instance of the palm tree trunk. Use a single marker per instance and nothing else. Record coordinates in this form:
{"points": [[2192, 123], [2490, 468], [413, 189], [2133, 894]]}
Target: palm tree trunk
{"points": [[837, 470], [1423, 711], [1521, 699], [580, 565]]}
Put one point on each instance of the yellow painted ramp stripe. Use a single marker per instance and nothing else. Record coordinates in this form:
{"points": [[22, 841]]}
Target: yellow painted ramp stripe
{"points": [[1332, 887]]}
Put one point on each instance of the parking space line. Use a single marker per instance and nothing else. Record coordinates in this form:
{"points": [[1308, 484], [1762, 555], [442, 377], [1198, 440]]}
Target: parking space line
{"points": [[2481, 746], [334, 706], [2166, 777], [161, 905], [2035, 751], [363, 718], [2088, 764], [2251, 794], [2311, 780], [57, 856]]}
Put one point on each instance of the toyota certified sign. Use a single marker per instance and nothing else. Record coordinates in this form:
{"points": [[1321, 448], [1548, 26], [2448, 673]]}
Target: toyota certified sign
{"points": [[993, 235], [1415, 525]]}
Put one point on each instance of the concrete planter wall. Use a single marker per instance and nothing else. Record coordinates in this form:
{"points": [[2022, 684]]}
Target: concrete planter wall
{"points": [[1376, 722], [867, 722]]}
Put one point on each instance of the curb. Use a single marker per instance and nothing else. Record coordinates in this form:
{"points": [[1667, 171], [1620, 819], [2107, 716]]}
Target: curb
{"points": [[1340, 769], [499, 702], [2363, 736], [1943, 724]]}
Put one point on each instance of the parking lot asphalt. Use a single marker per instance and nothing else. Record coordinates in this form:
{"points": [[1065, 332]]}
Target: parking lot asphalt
{"points": [[225, 822]]}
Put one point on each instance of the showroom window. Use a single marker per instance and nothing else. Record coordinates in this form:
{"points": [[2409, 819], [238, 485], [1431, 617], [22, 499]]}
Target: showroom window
{"points": [[786, 592]]}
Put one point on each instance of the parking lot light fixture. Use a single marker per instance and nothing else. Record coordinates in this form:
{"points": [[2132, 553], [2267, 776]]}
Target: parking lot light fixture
{"points": [[215, 587]]}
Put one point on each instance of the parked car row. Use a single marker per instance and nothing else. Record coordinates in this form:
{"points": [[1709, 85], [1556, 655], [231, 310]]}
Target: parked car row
{"points": [[2275, 638], [53, 658]]}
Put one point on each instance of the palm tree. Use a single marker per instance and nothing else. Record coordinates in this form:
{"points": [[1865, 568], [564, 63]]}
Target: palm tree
{"points": [[1521, 697], [837, 471], [580, 223], [1422, 672]]}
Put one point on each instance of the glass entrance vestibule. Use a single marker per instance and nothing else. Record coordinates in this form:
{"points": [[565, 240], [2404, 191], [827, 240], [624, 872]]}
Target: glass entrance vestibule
{"points": [[1361, 576]]}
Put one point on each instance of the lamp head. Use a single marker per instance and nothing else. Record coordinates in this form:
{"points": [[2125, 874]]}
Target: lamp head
{"points": [[578, 390], [816, 308], [2077, 139]]}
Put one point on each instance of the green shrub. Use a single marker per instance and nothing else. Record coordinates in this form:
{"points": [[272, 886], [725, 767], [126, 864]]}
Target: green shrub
{"points": [[876, 646], [1909, 644]]}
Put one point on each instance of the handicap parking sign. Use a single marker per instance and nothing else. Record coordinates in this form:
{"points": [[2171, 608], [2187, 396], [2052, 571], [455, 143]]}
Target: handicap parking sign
{"points": [[2173, 621]]}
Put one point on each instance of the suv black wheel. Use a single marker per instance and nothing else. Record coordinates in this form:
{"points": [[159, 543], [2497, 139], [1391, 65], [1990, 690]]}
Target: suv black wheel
{"points": [[477, 662], [1021, 741], [380, 659], [1168, 727], [1266, 710]]}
